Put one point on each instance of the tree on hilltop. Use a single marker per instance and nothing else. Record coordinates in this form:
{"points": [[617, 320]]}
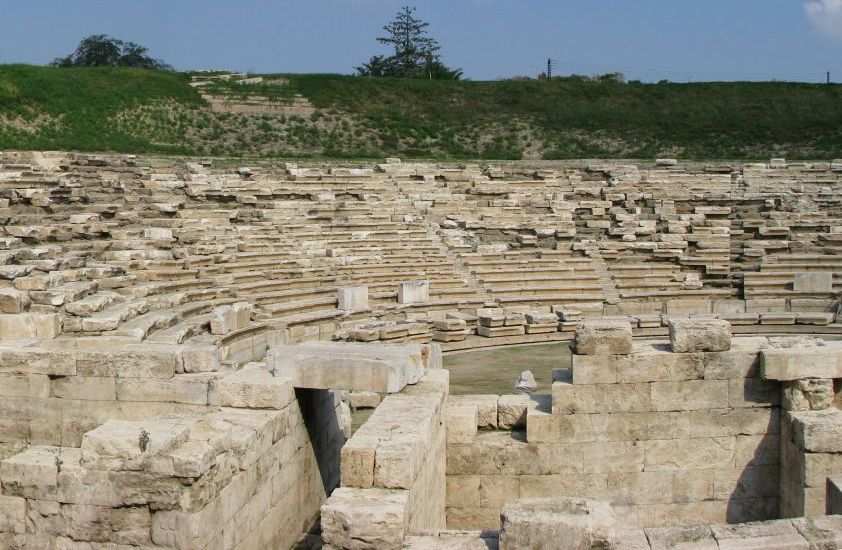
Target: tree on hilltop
{"points": [[416, 54], [100, 50]]}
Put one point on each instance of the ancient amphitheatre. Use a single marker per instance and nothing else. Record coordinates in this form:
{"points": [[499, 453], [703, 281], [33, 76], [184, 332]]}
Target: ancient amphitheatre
{"points": [[181, 345]]}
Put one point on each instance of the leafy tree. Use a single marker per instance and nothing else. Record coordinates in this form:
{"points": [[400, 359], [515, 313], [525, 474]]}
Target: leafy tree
{"points": [[416, 53], [100, 50]]}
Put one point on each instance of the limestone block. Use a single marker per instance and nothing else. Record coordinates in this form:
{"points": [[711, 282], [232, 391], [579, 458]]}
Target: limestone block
{"points": [[817, 431], [450, 324], [801, 364], [13, 301], [353, 298], [682, 538], [596, 398], [540, 318], [689, 454], [364, 400], [807, 395], [461, 423], [491, 318], [415, 292], [690, 395], [124, 445], [228, 318], [603, 338], [813, 281], [36, 360], [767, 534], [365, 519], [511, 409], [556, 524], [199, 358], [486, 408], [381, 368], [32, 474], [255, 388], [192, 389], [499, 332], [690, 335], [12, 514], [147, 361], [834, 495], [17, 326]]}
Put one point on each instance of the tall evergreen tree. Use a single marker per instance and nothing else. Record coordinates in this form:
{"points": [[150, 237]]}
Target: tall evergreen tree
{"points": [[416, 53]]}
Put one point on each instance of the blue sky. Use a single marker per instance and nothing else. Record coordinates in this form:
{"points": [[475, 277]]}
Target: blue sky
{"points": [[646, 39]]}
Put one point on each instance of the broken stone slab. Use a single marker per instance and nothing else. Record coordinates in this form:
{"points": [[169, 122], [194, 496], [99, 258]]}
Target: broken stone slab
{"points": [[365, 518], [126, 445], [381, 368], [761, 534], [603, 338], [698, 537], [255, 388], [353, 298], [800, 363], [692, 335], [363, 400], [821, 532], [556, 524]]}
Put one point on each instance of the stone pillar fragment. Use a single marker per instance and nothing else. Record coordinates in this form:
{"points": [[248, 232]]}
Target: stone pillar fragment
{"points": [[603, 338], [353, 298], [690, 335], [415, 292]]}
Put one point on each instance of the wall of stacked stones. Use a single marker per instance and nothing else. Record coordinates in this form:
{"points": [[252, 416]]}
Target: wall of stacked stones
{"points": [[249, 473], [393, 471], [667, 435], [55, 391]]}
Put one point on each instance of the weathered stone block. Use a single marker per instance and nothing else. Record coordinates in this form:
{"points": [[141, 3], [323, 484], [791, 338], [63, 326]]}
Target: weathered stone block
{"points": [[123, 445], [807, 395], [353, 298], [461, 423], [799, 363], [603, 338], [556, 524], [415, 292], [818, 282], [382, 368], [365, 518], [690, 335], [768, 534], [255, 388]]}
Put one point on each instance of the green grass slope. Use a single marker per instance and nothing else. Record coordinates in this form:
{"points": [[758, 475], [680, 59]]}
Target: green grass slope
{"points": [[129, 110]]}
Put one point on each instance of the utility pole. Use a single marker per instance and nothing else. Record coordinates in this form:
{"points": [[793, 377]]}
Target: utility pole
{"points": [[828, 77], [549, 68]]}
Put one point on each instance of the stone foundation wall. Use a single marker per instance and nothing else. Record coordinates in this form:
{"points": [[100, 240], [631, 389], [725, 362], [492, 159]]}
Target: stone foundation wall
{"points": [[249, 475], [667, 438], [51, 393]]}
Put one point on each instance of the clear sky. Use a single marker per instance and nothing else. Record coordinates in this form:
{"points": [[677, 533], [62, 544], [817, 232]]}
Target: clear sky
{"points": [[648, 40]]}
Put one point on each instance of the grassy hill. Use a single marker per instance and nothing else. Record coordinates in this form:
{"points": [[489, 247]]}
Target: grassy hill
{"points": [[127, 110]]}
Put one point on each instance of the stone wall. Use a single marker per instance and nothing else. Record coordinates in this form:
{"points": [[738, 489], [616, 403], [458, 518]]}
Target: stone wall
{"points": [[393, 471], [252, 474], [52, 392], [668, 438]]}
